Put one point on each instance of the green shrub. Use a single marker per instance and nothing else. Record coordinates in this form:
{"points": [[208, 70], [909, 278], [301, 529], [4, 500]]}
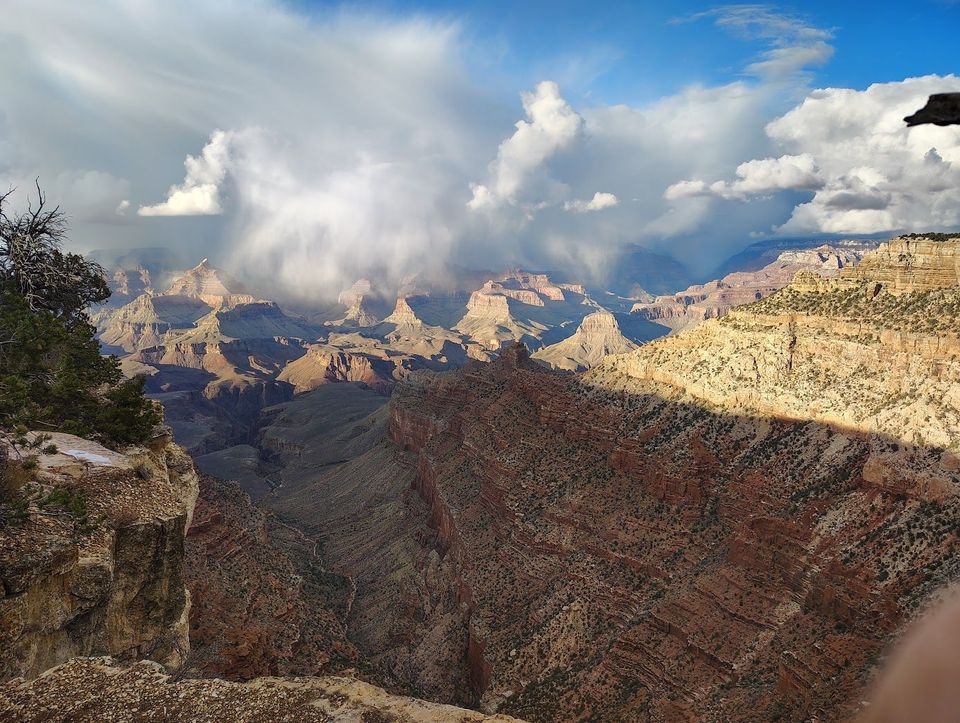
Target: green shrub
{"points": [[52, 375]]}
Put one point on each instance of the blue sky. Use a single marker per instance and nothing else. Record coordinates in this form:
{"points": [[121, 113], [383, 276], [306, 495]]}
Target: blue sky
{"points": [[632, 52]]}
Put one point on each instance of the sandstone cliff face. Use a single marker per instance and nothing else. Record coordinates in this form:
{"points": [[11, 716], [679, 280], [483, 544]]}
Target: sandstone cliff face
{"points": [[99, 689], [212, 355], [117, 588], [325, 364], [524, 296], [907, 264], [264, 604], [208, 284], [359, 289], [197, 307], [519, 306]]}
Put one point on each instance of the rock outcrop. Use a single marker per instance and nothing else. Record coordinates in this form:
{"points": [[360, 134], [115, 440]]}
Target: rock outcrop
{"points": [[207, 283], [488, 320], [912, 263], [353, 295], [403, 315], [197, 307], [211, 354], [99, 689], [109, 582], [520, 306], [597, 337], [362, 304], [325, 364]]}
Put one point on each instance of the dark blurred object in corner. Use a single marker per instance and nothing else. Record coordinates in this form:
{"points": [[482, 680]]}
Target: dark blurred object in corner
{"points": [[942, 109]]}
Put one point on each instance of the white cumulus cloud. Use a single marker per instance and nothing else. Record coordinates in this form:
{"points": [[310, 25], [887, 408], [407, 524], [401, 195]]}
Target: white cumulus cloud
{"points": [[758, 177], [866, 170], [551, 126], [199, 194], [599, 202]]}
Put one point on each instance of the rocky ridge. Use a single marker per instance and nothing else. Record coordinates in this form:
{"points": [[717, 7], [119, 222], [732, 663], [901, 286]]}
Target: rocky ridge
{"points": [[714, 299], [875, 349]]}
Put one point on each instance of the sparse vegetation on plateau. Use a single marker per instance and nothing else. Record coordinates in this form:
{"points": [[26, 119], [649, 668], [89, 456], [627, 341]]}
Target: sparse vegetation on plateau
{"points": [[933, 311], [935, 236]]}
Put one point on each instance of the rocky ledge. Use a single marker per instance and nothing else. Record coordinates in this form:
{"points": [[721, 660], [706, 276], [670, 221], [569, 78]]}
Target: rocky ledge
{"points": [[99, 689]]}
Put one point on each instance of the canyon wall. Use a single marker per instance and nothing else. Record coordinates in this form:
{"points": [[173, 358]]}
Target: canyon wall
{"points": [[262, 602], [732, 523]]}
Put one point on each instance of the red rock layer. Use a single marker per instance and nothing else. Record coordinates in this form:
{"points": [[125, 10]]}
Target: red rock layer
{"points": [[262, 604], [627, 557]]}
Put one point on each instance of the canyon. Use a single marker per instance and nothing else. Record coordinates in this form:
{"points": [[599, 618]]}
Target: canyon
{"points": [[731, 522], [215, 353]]}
